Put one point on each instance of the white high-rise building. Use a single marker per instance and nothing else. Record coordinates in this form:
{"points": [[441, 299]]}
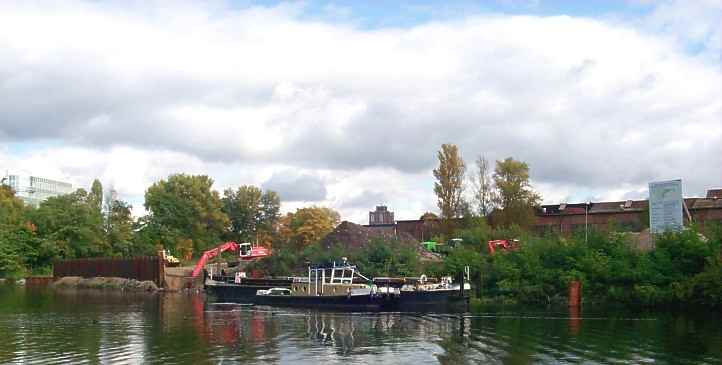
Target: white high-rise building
{"points": [[33, 189]]}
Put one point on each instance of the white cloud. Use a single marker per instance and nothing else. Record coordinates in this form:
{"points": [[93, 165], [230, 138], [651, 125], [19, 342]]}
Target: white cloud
{"points": [[133, 93]]}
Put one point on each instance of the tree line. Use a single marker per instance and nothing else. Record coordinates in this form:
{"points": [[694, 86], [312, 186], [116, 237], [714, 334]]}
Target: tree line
{"points": [[506, 193], [683, 268], [184, 215]]}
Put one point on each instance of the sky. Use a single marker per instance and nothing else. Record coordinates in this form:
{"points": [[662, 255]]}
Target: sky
{"points": [[344, 104]]}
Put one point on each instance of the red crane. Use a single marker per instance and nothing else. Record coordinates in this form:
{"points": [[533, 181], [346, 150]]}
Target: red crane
{"points": [[246, 252], [505, 245]]}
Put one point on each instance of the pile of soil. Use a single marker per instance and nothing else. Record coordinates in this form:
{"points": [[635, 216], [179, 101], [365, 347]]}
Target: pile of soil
{"points": [[104, 283], [353, 236]]}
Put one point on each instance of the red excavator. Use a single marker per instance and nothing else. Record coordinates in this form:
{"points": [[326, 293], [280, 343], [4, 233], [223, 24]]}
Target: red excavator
{"points": [[506, 245], [247, 252]]}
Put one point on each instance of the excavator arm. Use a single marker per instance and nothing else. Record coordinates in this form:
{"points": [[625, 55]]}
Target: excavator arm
{"points": [[248, 252], [211, 254]]}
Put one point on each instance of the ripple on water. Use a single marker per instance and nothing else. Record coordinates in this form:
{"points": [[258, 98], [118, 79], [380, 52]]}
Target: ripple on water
{"points": [[180, 329]]}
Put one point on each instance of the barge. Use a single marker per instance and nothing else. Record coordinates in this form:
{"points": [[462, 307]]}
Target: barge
{"points": [[344, 287]]}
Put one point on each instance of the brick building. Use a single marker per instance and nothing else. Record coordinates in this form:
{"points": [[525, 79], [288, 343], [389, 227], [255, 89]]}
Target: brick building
{"points": [[629, 216], [381, 216], [381, 221]]}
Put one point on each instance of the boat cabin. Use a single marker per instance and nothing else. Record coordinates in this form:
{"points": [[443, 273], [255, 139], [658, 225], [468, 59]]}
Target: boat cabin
{"points": [[333, 280]]}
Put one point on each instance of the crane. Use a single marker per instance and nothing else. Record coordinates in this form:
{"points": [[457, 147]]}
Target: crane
{"points": [[506, 245], [247, 252]]}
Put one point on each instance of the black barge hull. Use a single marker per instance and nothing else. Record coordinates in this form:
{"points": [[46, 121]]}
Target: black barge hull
{"points": [[407, 301], [352, 303], [432, 300]]}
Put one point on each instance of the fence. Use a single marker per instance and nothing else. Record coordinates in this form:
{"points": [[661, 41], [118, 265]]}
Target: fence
{"points": [[139, 268]]}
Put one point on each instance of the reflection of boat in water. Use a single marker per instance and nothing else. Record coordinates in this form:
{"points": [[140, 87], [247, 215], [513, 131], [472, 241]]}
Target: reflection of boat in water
{"points": [[343, 287]]}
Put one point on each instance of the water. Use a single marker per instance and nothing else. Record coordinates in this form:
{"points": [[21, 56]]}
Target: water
{"points": [[76, 327]]}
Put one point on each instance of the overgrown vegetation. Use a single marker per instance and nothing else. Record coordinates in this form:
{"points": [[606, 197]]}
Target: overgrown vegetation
{"points": [[685, 267], [187, 217], [381, 257]]}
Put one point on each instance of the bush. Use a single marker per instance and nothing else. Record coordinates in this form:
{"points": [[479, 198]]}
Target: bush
{"points": [[684, 268]]}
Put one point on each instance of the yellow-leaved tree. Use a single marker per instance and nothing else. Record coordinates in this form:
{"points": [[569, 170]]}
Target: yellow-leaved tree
{"points": [[514, 196], [449, 185], [307, 225]]}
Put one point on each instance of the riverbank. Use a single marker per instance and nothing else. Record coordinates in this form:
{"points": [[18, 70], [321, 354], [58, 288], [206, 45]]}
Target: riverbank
{"points": [[105, 283]]}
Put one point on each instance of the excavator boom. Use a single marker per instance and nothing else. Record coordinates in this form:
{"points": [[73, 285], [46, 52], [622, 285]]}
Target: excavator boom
{"points": [[247, 252], [211, 254]]}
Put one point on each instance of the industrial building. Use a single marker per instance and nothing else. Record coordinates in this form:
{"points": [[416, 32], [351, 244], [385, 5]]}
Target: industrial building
{"points": [[627, 216], [33, 189], [565, 219]]}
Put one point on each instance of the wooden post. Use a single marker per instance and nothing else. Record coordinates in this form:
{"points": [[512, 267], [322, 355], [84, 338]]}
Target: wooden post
{"points": [[575, 293], [161, 269]]}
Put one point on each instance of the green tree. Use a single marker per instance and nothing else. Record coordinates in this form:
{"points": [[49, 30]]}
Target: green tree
{"points": [[514, 195], [70, 226], [185, 207], [12, 209], [387, 257], [95, 198], [270, 211], [449, 185], [119, 228], [251, 212], [17, 247]]}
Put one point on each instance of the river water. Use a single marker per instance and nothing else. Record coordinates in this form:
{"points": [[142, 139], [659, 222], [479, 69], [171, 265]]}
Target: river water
{"points": [[45, 326]]}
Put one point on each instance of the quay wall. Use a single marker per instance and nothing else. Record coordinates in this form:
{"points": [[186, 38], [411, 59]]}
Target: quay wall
{"points": [[143, 268]]}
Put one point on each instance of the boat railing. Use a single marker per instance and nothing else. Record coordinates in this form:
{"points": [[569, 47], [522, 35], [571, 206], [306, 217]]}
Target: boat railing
{"points": [[338, 274]]}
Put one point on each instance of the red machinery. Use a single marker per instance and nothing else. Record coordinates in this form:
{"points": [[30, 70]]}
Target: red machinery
{"points": [[505, 245], [246, 252]]}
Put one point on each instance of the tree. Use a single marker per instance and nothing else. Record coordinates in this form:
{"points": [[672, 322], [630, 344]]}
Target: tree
{"points": [[252, 213], [483, 186], [308, 225], [241, 207], [270, 211], [95, 198], [449, 184], [17, 244], [514, 195], [12, 209], [70, 226], [119, 227], [185, 207]]}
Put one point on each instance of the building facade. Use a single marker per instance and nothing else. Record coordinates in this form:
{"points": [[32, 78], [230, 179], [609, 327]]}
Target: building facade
{"points": [[33, 189], [565, 219], [627, 216], [381, 216]]}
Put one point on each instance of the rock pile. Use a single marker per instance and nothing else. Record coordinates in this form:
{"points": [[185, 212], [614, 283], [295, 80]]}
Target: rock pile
{"points": [[105, 283]]}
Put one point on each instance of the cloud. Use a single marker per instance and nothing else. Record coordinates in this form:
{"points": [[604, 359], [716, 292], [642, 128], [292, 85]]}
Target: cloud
{"points": [[694, 24], [293, 186], [327, 112], [365, 200]]}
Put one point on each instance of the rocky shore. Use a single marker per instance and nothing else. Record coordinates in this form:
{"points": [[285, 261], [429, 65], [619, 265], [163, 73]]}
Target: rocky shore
{"points": [[105, 283]]}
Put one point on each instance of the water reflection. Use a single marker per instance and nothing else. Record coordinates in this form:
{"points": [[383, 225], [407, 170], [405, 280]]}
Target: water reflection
{"points": [[106, 327]]}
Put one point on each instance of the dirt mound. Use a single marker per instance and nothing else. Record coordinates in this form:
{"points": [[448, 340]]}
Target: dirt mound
{"points": [[353, 236]]}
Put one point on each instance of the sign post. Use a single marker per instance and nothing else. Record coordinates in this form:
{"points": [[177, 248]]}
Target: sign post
{"points": [[665, 206]]}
